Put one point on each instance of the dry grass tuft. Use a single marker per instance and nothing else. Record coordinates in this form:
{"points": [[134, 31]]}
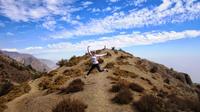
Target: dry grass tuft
{"points": [[75, 86], [5, 87], [69, 105], [12, 94], [110, 65], [136, 87], [123, 97], [124, 73], [149, 103], [73, 72]]}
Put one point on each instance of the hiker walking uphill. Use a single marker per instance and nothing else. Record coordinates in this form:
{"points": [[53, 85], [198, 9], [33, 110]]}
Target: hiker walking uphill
{"points": [[94, 59]]}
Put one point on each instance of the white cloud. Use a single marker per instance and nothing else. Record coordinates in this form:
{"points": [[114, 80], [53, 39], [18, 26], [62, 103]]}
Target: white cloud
{"points": [[9, 34], [34, 48], [20, 10], [114, 0], [139, 2], [167, 12], [10, 49], [94, 10], [86, 4], [70, 20], [119, 41], [107, 9], [50, 25]]}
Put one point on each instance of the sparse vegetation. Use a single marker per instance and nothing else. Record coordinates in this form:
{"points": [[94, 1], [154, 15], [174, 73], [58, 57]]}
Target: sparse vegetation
{"points": [[136, 87], [124, 73], [113, 48], [110, 65], [70, 105], [147, 80], [75, 86], [184, 104], [149, 103], [122, 57], [1, 66], [123, 97], [108, 55], [61, 62], [73, 72], [5, 87], [153, 69], [100, 60], [167, 81], [12, 94], [71, 62]]}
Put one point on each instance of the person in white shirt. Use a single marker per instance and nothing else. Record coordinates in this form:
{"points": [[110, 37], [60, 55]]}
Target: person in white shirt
{"points": [[94, 59]]}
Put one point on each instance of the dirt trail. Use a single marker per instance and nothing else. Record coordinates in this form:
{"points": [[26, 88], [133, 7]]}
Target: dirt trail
{"points": [[96, 94]]}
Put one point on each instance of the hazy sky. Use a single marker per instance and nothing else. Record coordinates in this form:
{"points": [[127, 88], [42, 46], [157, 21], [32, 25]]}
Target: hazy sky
{"points": [[165, 31]]}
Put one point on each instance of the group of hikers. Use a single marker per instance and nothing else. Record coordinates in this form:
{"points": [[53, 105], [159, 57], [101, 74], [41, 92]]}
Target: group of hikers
{"points": [[94, 60]]}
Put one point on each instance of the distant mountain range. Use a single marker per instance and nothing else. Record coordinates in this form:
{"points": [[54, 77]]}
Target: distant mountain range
{"points": [[42, 65]]}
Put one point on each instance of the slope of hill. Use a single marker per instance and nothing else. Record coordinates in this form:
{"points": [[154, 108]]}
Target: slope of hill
{"points": [[132, 84], [28, 59], [13, 79]]}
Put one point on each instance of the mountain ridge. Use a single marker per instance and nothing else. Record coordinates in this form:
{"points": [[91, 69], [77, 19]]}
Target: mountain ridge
{"points": [[42, 65], [126, 87]]}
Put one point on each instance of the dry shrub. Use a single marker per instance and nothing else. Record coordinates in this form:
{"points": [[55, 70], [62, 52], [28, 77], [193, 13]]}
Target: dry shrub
{"points": [[71, 62], [123, 97], [60, 80], [73, 72], [45, 83], [122, 57], [147, 80], [140, 64], [149, 103], [87, 65], [122, 84], [110, 65], [184, 104], [116, 88], [5, 87], [136, 87], [2, 66], [153, 69], [154, 89], [162, 93], [124, 73], [167, 81], [100, 60], [75, 86], [116, 51], [70, 105], [108, 55], [123, 63], [14, 93], [113, 48], [52, 73]]}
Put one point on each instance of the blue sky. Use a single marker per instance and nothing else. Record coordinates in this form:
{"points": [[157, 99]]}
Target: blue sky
{"points": [[165, 31]]}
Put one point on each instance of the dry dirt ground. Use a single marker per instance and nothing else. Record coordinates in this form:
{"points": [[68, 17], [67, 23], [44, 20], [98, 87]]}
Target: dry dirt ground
{"points": [[95, 94]]}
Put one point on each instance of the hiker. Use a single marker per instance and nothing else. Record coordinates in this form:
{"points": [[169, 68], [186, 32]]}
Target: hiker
{"points": [[94, 59]]}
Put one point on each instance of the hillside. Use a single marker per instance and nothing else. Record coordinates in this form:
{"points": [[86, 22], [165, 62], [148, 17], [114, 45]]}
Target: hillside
{"points": [[132, 84], [28, 59], [13, 79]]}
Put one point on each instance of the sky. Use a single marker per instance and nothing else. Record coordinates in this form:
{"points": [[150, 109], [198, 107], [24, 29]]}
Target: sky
{"points": [[164, 31]]}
